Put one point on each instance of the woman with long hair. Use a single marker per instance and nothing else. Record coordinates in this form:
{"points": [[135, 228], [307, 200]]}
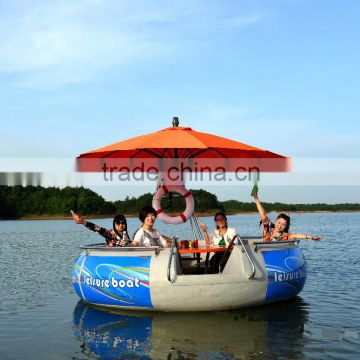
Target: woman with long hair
{"points": [[278, 231], [117, 236], [222, 235]]}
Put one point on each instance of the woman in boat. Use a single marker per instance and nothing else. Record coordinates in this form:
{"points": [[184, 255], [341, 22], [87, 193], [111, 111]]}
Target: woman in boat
{"points": [[147, 235], [117, 236], [279, 231], [220, 236]]}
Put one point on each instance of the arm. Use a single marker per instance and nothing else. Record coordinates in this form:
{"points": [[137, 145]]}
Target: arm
{"points": [[137, 238], [230, 235], [107, 234], [100, 230], [206, 236], [167, 239], [77, 219], [260, 208], [303, 236]]}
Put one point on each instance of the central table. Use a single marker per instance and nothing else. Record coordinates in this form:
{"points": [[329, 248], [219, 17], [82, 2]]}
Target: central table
{"points": [[203, 249]]}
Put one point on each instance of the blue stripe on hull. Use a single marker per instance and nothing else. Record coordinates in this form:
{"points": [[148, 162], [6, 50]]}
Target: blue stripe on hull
{"points": [[286, 271], [113, 280]]}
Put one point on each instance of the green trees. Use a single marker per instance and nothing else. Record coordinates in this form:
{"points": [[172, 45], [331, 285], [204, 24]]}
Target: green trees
{"points": [[132, 205], [234, 206], [171, 203], [19, 201], [206, 202], [27, 201], [7, 209]]}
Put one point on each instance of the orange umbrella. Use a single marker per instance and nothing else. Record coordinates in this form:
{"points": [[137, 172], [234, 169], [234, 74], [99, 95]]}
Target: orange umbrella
{"points": [[180, 148]]}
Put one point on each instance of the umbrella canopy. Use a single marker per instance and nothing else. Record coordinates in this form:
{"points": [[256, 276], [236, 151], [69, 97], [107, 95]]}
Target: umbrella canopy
{"points": [[182, 148]]}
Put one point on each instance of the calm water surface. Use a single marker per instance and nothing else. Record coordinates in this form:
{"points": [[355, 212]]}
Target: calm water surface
{"points": [[41, 317]]}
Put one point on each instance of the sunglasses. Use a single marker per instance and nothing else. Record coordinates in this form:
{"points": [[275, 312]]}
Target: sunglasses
{"points": [[121, 222], [219, 219]]}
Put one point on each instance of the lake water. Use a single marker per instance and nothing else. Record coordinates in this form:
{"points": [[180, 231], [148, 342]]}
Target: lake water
{"points": [[41, 317]]}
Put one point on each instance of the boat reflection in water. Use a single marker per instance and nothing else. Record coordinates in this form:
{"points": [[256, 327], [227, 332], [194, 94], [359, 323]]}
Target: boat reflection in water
{"points": [[254, 333]]}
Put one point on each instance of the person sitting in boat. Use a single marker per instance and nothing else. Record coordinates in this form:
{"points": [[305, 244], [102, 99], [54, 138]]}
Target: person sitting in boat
{"points": [[147, 235], [220, 236], [280, 230], [117, 236]]}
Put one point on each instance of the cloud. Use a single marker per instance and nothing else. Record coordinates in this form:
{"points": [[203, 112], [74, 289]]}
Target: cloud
{"points": [[245, 20], [245, 121], [55, 43], [65, 44], [293, 135]]}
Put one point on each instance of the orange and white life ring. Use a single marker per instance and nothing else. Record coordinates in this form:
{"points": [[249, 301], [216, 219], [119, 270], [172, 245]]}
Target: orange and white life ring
{"points": [[173, 219]]}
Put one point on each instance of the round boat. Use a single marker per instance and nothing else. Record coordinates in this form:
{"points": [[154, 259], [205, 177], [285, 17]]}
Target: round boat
{"points": [[161, 279]]}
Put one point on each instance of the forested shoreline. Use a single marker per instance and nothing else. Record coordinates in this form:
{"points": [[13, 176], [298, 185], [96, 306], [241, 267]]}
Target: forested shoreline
{"points": [[36, 201]]}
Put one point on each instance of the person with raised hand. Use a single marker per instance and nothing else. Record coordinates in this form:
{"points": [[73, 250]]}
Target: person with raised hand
{"points": [[117, 236], [278, 231], [222, 235]]}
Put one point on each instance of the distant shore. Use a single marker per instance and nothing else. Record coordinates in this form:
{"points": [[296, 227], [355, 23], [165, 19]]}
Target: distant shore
{"points": [[206, 214], [52, 203]]}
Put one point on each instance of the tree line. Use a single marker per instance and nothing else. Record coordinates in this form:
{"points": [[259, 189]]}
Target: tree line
{"points": [[234, 206], [31, 201]]}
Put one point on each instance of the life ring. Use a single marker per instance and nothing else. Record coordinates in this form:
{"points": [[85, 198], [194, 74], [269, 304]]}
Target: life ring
{"points": [[180, 219]]}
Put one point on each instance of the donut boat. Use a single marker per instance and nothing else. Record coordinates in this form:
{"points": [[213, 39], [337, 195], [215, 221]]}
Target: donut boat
{"points": [[161, 279]]}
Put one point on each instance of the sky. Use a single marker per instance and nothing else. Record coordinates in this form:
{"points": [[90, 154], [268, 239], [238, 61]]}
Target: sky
{"points": [[281, 75]]}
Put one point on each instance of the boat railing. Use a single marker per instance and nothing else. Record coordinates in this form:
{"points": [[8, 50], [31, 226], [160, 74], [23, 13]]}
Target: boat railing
{"points": [[253, 268], [173, 247], [259, 243], [102, 247]]}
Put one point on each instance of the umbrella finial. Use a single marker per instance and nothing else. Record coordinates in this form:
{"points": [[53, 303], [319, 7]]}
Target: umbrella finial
{"points": [[175, 121]]}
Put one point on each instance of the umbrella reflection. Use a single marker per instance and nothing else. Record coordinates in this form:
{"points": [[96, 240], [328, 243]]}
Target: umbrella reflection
{"points": [[253, 333]]}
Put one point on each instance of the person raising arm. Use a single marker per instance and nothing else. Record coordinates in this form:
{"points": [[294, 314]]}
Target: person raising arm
{"points": [[221, 233], [117, 236], [278, 231]]}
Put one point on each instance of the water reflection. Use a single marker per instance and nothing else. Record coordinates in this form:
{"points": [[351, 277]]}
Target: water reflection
{"points": [[271, 331]]}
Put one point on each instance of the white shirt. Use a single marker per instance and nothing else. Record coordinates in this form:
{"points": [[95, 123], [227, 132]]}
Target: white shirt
{"points": [[149, 238], [215, 236]]}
